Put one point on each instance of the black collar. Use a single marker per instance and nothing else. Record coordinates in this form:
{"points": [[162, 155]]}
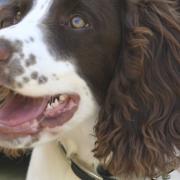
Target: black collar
{"points": [[85, 175], [84, 172]]}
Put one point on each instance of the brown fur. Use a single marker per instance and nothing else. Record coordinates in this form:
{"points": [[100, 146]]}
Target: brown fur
{"points": [[139, 124], [12, 153]]}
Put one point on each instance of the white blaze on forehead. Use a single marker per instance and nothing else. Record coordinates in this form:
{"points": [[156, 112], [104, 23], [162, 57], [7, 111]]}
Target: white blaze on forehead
{"points": [[39, 11]]}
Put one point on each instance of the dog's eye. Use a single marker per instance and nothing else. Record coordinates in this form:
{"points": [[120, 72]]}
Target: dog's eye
{"points": [[78, 22], [10, 18]]}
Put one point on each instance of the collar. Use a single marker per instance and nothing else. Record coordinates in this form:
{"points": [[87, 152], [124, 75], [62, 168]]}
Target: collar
{"points": [[85, 172]]}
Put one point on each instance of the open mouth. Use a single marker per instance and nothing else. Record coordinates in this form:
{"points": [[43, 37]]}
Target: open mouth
{"points": [[21, 115]]}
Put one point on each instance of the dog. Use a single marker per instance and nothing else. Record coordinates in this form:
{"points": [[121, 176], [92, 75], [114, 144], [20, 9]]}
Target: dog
{"points": [[93, 86]]}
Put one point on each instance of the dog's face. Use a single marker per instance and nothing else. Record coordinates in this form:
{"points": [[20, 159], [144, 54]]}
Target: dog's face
{"points": [[56, 56]]}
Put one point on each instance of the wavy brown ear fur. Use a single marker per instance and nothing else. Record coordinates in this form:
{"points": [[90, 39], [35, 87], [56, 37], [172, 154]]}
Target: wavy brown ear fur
{"points": [[138, 131]]}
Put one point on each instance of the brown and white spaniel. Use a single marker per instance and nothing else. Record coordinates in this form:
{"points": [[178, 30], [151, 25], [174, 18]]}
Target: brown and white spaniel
{"points": [[98, 79]]}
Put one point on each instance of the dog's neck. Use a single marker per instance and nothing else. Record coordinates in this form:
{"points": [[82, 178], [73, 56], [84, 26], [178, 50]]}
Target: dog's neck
{"points": [[80, 141]]}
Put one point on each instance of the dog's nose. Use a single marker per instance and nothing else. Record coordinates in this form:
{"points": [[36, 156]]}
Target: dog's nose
{"points": [[5, 50]]}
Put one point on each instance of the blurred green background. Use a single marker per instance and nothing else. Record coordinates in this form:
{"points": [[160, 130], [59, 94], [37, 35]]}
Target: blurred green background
{"points": [[13, 169]]}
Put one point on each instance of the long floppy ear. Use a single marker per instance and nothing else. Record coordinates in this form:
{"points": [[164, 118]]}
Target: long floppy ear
{"points": [[138, 131]]}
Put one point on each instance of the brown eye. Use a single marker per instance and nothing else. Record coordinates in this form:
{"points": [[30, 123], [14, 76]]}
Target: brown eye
{"points": [[77, 22], [10, 18]]}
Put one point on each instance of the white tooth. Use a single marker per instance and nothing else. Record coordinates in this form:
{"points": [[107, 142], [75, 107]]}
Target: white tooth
{"points": [[49, 106], [63, 97], [55, 104]]}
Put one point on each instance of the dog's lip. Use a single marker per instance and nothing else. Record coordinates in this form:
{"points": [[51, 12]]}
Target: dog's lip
{"points": [[41, 119]]}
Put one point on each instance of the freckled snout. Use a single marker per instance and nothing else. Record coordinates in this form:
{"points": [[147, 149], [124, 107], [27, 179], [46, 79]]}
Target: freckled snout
{"points": [[5, 50]]}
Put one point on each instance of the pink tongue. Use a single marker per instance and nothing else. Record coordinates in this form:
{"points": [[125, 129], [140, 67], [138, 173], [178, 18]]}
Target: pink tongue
{"points": [[19, 109]]}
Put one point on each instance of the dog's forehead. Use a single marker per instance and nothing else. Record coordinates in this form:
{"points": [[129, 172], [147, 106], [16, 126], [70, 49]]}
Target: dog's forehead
{"points": [[40, 8], [42, 4]]}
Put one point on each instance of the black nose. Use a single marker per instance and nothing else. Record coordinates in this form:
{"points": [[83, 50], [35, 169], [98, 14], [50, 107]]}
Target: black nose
{"points": [[5, 50]]}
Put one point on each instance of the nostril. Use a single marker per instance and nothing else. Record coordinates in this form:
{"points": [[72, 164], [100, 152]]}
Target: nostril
{"points": [[5, 50]]}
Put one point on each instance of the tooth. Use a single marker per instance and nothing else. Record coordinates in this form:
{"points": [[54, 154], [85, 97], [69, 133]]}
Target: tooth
{"points": [[56, 103], [49, 106], [63, 97]]}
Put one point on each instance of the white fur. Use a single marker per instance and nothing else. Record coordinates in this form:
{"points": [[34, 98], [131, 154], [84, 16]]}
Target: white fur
{"points": [[49, 163]]}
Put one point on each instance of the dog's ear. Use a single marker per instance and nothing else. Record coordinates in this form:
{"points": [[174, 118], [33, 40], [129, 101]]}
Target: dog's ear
{"points": [[138, 131]]}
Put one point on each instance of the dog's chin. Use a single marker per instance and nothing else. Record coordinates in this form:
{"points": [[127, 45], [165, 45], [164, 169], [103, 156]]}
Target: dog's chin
{"points": [[22, 117]]}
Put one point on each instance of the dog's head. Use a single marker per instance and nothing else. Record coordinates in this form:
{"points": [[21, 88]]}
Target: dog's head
{"points": [[56, 59], [60, 60]]}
